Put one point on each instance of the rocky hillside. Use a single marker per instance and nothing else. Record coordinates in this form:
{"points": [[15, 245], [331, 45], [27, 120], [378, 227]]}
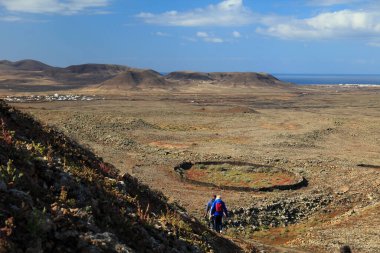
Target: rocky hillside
{"points": [[26, 65], [188, 76], [56, 196], [227, 78], [135, 79], [17, 75], [85, 74], [110, 69]]}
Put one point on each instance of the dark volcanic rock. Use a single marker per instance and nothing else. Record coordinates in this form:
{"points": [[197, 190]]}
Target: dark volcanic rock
{"points": [[186, 76], [96, 68], [279, 212], [246, 79]]}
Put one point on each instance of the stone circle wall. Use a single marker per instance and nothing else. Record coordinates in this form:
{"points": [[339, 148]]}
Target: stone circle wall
{"points": [[182, 167]]}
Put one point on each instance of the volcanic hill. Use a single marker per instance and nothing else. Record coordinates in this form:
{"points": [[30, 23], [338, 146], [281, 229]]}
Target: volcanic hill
{"points": [[136, 79], [26, 65], [32, 76], [35, 76], [246, 79]]}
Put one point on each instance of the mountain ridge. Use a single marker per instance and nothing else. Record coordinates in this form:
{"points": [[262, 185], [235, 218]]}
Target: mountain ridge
{"points": [[27, 65], [232, 78], [135, 79], [114, 78]]}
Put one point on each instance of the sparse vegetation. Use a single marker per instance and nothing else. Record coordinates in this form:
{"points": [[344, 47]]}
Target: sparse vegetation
{"points": [[36, 223], [74, 196], [7, 135], [238, 175], [9, 174], [144, 214], [39, 148]]}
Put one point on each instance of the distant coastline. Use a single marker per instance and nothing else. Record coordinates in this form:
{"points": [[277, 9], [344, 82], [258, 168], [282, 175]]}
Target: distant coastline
{"points": [[330, 79]]}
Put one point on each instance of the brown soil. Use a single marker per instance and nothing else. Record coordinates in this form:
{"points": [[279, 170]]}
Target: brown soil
{"points": [[240, 176], [323, 133]]}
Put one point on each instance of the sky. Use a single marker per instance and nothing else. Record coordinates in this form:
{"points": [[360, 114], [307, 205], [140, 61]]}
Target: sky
{"points": [[274, 36]]}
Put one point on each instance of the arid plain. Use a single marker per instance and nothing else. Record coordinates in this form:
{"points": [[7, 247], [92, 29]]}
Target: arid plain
{"points": [[328, 135]]}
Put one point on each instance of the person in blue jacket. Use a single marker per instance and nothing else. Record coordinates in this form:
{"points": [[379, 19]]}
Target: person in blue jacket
{"points": [[208, 210], [218, 209]]}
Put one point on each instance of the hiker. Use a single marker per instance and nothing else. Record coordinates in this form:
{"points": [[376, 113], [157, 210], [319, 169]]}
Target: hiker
{"points": [[208, 212], [218, 209]]}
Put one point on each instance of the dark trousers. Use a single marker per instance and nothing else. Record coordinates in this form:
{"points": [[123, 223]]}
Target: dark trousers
{"points": [[211, 222], [218, 223]]}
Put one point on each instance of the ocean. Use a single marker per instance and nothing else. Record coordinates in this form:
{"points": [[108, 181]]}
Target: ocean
{"points": [[312, 79]]}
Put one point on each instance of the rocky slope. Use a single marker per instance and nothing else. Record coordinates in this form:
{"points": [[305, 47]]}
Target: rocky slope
{"points": [[56, 196], [135, 79], [26, 65], [94, 68], [188, 75], [245, 79], [37, 75], [85, 74]]}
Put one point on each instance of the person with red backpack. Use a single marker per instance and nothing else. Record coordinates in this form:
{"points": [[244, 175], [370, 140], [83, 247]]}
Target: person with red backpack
{"points": [[218, 209]]}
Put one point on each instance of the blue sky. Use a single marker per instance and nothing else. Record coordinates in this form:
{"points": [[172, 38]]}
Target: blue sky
{"points": [[275, 36]]}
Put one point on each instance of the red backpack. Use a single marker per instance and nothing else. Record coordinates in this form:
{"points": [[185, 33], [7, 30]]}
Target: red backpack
{"points": [[218, 207]]}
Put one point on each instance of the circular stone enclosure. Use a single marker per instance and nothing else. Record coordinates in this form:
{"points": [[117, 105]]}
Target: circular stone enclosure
{"points": [[239, 176]]}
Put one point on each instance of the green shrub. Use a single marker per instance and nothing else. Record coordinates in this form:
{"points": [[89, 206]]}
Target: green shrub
{"points": [[36, 222], [9, 174]]}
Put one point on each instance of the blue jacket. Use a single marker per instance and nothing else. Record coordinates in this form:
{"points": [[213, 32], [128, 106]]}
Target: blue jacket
{"points": [[213, 208]]}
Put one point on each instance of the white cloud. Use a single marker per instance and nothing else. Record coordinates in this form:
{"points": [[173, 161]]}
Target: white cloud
{"points": [[202, 34], [102, 12], [363, 24], [374, 44], [333, 2], [209, 38], [214, 40], [344, 23], [10, 19], [236, 34], [52, 6], [162, 34], [226, 13]]}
